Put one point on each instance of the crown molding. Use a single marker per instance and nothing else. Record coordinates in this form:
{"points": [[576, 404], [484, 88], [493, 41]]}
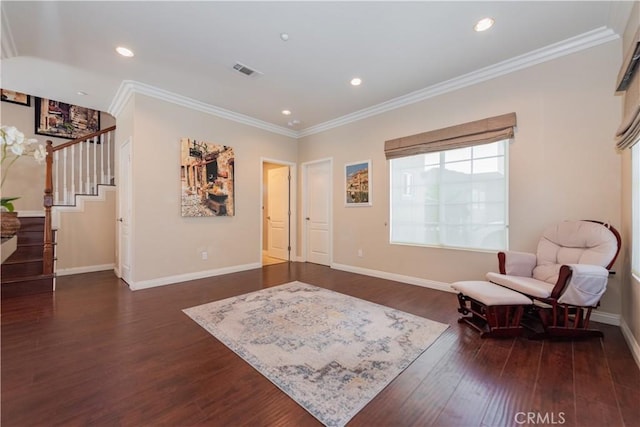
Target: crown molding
{"points": [[7, 44], [120, 99], [566, 47], [129, 87]]}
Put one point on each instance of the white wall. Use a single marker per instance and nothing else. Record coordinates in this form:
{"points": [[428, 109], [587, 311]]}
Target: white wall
{"points": [[86, 238], [562, 164], [167, 246]]}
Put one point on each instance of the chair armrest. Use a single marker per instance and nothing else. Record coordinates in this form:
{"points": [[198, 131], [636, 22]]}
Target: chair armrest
{"points": [[515, 263], [586, 285]]}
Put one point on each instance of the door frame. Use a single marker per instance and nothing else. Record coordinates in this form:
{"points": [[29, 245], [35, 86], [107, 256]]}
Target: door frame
{"points": [[292, 205], [128, 144], [305, 206]]}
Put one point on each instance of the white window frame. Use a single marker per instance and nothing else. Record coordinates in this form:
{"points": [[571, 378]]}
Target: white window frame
{"points": [[405, 194]]}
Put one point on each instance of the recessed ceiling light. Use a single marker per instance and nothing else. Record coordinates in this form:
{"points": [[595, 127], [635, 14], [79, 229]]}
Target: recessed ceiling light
{"points": [[284, 37], [286, 112], [484, 24], [294, 122], [81, 93], [356, 81], [124, 51]]}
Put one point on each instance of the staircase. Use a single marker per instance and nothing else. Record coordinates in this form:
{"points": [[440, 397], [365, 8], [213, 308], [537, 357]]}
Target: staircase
{"points": [[73, 168], [23, 272]]}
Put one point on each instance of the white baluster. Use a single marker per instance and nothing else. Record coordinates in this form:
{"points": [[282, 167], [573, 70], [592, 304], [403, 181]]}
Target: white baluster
{"points": [[95, 166], [102, 159], [80, 177], [109, 158], [73, 172], [64, 176], [87, 189], [56, 159]]}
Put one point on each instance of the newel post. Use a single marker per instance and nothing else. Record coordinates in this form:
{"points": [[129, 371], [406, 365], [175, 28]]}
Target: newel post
{"points": [[47, 263]]}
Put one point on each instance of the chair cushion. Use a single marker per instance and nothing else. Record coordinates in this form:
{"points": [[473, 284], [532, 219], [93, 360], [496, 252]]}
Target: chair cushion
{"points": [[525, 285], [573, 242]]}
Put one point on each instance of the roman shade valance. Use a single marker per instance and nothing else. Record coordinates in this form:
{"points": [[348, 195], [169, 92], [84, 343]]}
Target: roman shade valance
{"points": [[464, 135], [629, 82]]}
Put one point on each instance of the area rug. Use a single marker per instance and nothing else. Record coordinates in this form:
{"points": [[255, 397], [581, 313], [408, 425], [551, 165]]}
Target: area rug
{"points": [[330, 352]]}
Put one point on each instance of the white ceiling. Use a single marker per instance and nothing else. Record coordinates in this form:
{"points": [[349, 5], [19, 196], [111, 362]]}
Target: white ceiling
{"points": [[55, 49]]}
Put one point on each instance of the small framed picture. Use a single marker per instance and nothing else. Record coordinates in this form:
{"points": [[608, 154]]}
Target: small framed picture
{"points": [[16, 97], [358, 183]]}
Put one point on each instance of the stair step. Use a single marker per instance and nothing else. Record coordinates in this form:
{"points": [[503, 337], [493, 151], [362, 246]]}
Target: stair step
{"points": [[21, 257], [29, 250], [28, 285], [26, 268], [26, 237], [30, 223]]}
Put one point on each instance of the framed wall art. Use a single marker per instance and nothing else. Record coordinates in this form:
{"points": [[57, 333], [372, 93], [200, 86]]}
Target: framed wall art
{"points": [[358, 183], [207, 178], [15, 97], [55, 118]]}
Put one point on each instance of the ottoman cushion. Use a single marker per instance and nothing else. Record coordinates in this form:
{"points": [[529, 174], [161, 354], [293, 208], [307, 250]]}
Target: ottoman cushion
{"points": [[490, 294]]}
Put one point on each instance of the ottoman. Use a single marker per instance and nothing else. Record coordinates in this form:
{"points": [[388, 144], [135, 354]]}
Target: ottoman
{"points": [[491, 309]]}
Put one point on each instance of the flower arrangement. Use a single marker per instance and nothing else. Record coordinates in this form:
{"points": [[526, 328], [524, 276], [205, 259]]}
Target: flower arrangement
{"points": [[14, 145]]}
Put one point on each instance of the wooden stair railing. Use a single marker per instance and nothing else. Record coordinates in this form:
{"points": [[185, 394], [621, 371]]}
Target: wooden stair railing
{"points": [[50, 198]]}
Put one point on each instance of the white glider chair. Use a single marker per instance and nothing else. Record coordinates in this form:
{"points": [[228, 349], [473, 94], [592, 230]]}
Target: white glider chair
{"points": [[566, 277]]}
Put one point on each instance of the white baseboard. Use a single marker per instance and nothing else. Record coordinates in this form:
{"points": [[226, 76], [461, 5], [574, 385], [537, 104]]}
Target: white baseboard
{"points": [[432, 284], [631, 341], [86, 269], [169, 280], [606, 318]]}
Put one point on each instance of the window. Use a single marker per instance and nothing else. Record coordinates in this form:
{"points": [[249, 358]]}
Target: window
{"points": [[454, 198], [635, 197]]}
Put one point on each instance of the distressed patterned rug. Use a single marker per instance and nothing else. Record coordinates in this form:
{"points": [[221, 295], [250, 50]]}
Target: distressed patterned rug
{"points": [[330, 352]]}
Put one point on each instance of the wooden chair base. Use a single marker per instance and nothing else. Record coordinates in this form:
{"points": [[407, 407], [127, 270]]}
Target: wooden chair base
{"points": [[565, 322], [502, 321]]}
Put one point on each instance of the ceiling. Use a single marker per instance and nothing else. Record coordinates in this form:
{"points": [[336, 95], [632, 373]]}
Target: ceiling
{"points": [[55, 49]]}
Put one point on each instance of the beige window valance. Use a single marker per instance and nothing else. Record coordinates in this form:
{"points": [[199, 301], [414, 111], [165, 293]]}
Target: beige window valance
{"points": [[464, 135], [628, 133]]}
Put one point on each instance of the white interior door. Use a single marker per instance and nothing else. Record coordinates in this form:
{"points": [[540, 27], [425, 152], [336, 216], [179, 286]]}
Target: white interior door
{"points": [[278, 212], [318, 186], [124, 211]]}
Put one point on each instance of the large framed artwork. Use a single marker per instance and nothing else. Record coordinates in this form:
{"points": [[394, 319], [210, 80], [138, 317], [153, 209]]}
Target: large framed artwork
{"points": [[207, 178], [358, 183], [15, 97], [55, 118]]}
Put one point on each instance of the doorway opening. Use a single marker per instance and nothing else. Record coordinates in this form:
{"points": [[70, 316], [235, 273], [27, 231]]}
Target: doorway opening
{"points": [[277, 212]]}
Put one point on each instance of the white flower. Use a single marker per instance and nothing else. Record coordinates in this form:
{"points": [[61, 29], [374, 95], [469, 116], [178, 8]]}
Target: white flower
{"points": [[8, 135], [17, 149], [13, 145], [40, 153]]}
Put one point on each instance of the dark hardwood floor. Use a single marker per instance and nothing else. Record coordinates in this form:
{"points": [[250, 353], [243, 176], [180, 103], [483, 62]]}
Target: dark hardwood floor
{"points": [[95, 353]]}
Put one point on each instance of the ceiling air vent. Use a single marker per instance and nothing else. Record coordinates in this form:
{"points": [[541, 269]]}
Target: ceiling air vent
{"points": [[241, 68]]}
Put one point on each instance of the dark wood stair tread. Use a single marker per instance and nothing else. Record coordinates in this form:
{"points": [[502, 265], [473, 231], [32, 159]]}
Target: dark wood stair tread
{"points": [[18, 259], [14, 280]]}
